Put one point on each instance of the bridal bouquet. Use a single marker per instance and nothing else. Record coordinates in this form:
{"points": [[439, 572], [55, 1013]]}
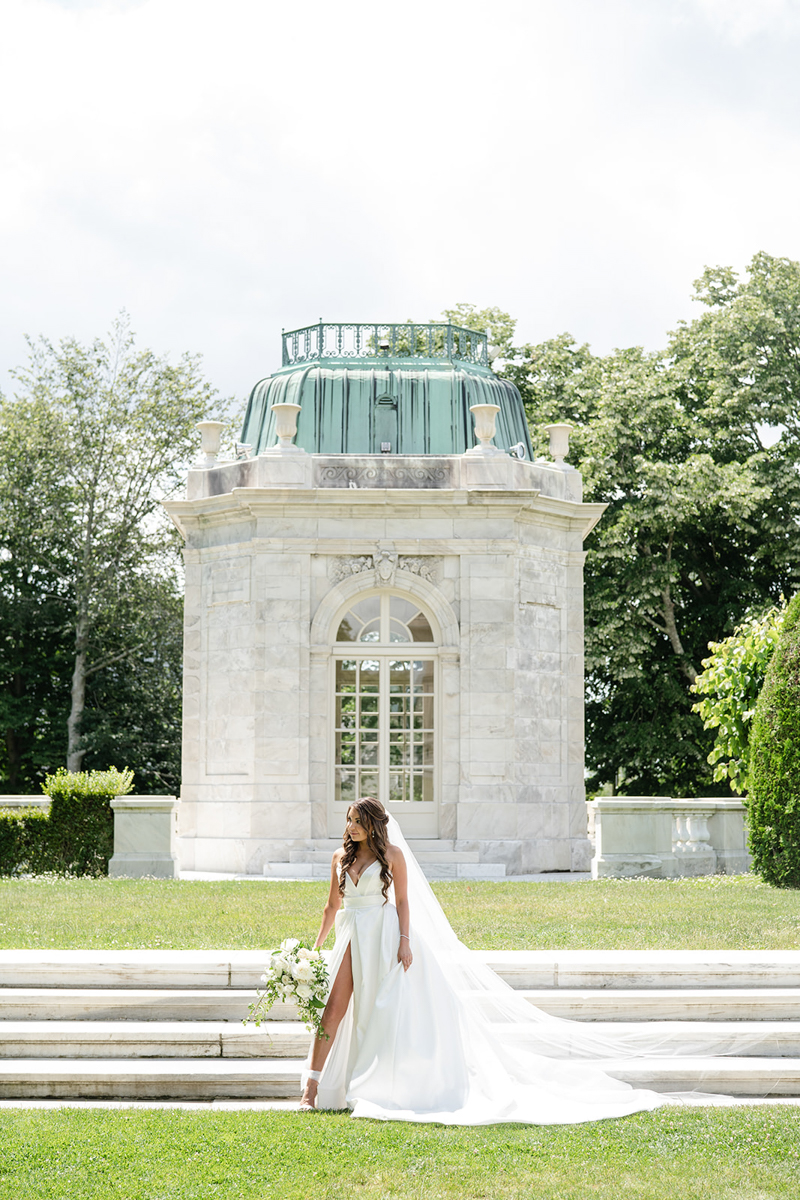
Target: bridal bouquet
{"points": [[295, 974]]}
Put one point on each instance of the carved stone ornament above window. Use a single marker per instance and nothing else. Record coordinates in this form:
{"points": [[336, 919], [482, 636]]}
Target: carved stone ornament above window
{"points": [[427, 566], [385, 562], [340, 568]]}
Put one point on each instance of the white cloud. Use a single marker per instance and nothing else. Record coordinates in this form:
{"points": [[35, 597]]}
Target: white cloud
{"points": [[740, 20], [222, 169]]}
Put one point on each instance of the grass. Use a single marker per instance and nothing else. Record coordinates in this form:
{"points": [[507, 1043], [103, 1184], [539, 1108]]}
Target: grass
{"points": [[694, 1154], [718, 912]]}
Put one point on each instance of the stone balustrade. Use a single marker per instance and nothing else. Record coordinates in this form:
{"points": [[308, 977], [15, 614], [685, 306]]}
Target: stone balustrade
{"points": [[666, 838], [145, 837]]}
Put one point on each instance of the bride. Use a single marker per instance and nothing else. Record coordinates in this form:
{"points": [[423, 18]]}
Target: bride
{"points": [[420, 1029]]}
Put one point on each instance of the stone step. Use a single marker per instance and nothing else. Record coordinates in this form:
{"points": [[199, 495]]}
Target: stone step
{"points": [[149, 1079], [424, 857], [543, 969], [439, 867], [131, 1004], [668, 1004], [152, 1039], [760, 1077], [645, 968], [464, 870], [290, 1039], [205, 1079], [231, 1004]]}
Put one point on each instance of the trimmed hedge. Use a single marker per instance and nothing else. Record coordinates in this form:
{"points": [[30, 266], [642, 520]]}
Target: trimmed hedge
{"points": [[773, 800], [76, 837], [22, 841]]}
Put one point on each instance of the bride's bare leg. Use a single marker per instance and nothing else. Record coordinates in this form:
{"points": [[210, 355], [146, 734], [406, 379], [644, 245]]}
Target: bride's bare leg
{"points": [[335, 1009]]}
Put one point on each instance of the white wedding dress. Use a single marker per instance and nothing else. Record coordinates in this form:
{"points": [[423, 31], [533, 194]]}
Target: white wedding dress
{"points": [[448, 1041]]}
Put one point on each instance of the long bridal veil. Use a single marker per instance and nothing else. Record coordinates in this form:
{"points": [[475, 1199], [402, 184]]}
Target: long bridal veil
{"points": [[516, 1028]]}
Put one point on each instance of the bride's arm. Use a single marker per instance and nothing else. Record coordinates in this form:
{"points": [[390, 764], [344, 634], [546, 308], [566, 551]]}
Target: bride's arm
{"points": [[400, 879], [333, 905]]}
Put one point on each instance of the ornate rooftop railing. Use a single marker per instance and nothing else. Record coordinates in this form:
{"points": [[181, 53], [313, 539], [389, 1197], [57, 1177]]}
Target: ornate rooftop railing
{"points": [[434, 340]]}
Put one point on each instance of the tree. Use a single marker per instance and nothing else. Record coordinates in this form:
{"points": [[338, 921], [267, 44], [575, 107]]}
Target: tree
{"points": [[493, 321], [34, 600], [774, 777], [730, 684], [703, 511], [114, 431]]}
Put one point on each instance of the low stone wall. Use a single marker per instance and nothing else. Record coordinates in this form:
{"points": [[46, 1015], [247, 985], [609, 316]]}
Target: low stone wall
{"points": [[667, 838], [39, 801]]}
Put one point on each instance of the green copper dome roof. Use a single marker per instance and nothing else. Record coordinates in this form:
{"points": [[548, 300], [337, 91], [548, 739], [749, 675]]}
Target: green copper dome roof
{"points": [[362, 388]]}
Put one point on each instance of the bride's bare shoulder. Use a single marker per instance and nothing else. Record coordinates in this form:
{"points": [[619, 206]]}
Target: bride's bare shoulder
{"points": [[393, 853], [338, 855]]}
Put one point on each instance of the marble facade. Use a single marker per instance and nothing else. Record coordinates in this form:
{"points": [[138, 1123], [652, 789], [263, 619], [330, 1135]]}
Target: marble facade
{"points": [[489, 548]]}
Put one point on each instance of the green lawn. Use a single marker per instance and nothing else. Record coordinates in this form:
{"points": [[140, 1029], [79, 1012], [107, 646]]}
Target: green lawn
{"points": [[672, 1154], [718, 913]]}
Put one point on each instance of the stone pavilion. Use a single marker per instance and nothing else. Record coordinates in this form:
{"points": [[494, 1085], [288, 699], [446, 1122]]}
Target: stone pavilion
{"points": [[384, 596]]}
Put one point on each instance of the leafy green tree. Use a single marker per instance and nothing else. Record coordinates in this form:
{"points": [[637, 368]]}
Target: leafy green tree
{"points": [[34, 600], [730, 684], [94, 438], [695, 450], [773, 801], [492, 321]]}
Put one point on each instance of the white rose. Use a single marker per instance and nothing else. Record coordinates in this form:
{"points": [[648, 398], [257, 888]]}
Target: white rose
{"points": [[289, 943], [303, 971], [304, 991], [305, 954]]}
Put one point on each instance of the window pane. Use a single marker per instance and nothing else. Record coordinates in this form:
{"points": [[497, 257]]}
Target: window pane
{"points": [[420, 629], [346, 675], [347, 630], [345, 786], [369, 753], [369, 784], [371, 632], [423, 675], [369, 609], [398, 632], [404, 610], [399, 676], [369, 675]]}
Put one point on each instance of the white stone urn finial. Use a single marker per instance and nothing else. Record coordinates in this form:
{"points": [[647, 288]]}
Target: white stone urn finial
{"points": [[211, 435], [286, 424], [485, 416], [559, 441]]}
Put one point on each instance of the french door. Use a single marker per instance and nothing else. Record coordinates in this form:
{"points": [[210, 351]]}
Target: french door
{"points": [[385, 736]]}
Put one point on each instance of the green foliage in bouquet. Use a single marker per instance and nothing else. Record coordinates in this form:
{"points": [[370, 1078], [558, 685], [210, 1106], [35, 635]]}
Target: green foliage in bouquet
{"points": [[774, 779], [80, 828], [732, 678], [294, 974]]}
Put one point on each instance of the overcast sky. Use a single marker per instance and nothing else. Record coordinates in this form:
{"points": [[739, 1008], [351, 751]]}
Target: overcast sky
{"points": [[223, 169]]}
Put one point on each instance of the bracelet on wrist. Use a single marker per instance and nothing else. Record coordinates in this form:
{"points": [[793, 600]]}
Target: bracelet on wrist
{"points": [[405, 935]]}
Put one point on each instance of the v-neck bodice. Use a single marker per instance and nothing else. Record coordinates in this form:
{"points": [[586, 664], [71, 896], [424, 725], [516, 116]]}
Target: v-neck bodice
{"points": [[368, 892], [357, 887]]}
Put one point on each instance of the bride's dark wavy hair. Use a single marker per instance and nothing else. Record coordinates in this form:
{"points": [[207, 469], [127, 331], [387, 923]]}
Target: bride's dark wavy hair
{"points": [[375, 819]]}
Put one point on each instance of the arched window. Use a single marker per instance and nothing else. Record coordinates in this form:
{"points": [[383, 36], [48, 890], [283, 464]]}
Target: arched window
{"points": [[384, 708]]}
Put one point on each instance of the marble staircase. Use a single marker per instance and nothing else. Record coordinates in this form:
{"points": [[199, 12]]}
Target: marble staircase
{"points": [[107, 1027]]}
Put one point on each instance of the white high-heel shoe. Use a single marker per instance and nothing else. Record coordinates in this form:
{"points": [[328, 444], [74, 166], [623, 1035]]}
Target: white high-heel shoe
{"points": [[305, 1105]]}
